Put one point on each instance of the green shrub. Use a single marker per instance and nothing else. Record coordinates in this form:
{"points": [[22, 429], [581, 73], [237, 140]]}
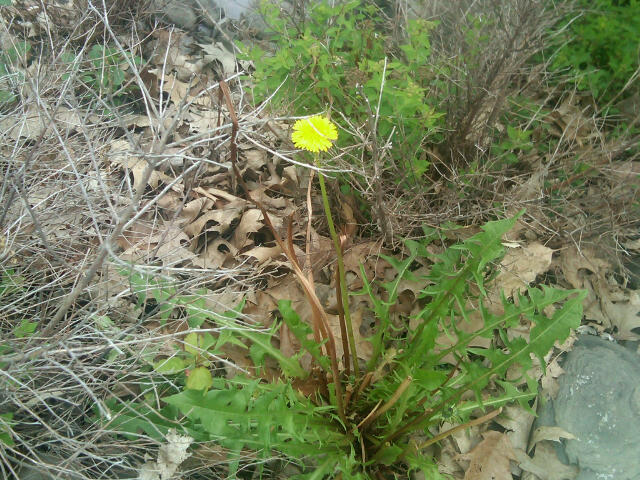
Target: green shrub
{"points": [[341, 58], [11, 62], [102, 73], [359, 427], [601, 47]]}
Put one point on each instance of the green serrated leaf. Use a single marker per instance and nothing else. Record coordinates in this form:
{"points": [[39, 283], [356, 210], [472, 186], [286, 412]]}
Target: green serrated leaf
{"points": [[545, 332], [389, 454], [303, 333], [260, 345], [247, 413], [417, 461], [133, 419]]}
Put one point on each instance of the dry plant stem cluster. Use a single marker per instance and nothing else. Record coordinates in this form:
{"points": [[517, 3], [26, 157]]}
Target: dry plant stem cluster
{"points": [[132, 211], [54, 380]]}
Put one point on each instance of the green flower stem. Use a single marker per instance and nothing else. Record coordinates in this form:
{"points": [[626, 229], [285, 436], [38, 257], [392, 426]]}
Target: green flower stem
{"points": [[343, 280]]}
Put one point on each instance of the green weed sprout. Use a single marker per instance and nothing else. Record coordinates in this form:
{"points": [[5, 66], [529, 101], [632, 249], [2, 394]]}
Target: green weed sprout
{"points": [[333, 423]]}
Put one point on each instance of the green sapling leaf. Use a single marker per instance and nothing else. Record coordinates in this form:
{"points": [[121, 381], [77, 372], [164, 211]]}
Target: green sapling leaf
{"points": [[199, 379], [169, 366], [193, 343]]}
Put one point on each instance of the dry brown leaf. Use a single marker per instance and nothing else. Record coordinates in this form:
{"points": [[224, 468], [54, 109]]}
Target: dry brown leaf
{"points": [[216, 195], [202, 120], [358, 254], [517, 420], [136, 234], [217, 52], [321, 252], [550, 379], [606, 303], [572, 123], [553, 434], [250, 222], [291, 173], [173, 52], [449, 459], [521, 266], [218, 220], [120, 154], [256, 159], [290, 290], [573, 261], [192, 92], [363, 346], [263, 254], [33, 123], [545, 464], [625, 316], [531, 188], [415, 286], [490, 459], [172, 247], [170, 201], [192, 209], [445, 340], [350, 222], [284, 205], [465, 439], [165, 242], [366, 254], [215, 254]]}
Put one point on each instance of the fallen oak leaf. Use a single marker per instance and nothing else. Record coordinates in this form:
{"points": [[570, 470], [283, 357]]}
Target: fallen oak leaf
{"points": [[517, 420], [250, 222], [215, 254], [216, 194], [554, 434], [490, 459], [263, 254], [607, 304], [215, 220], [545, 464], [172, 247], [521, 266], [135, 235], [121, 155]]}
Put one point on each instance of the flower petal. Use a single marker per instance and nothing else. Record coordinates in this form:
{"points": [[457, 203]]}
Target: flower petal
{"points": [[314, 134]]}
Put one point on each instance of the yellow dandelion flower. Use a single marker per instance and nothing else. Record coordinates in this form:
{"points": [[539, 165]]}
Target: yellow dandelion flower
{"points": [[314, 134]]}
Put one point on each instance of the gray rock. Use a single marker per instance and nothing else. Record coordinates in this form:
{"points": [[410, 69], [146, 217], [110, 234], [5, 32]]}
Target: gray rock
{"points": [[599, 402], [234, 9], [189, 14]]}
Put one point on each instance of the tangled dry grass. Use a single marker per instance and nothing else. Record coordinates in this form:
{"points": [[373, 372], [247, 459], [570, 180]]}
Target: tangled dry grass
{"points": [[66, 209], [63, 212]]}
